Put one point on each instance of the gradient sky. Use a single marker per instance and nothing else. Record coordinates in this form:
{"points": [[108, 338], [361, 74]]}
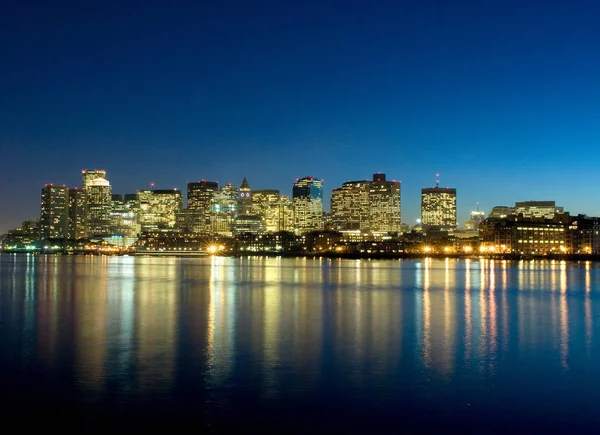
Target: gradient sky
{"points": [[502, 98]]}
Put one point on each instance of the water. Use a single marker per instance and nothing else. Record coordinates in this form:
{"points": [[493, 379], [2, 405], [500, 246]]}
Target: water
{"points": [[299, 344]]}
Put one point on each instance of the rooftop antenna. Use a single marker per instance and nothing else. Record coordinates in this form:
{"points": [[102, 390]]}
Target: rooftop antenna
{"points": [[437, 180], [477, 206], [152, 187]]}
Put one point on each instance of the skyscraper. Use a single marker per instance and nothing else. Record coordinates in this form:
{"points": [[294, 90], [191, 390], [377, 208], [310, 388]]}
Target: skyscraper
{"points": [[98, 196], [157, 208], [77, 213], [384, 205], [88, 175], [224, 208], [54, 219], [307, 202], [367, 206], [350, 206], [269, 205], [199, 200], [438, 209]]}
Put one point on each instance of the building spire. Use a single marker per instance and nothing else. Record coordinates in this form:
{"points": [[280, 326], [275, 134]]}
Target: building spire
{"points": [[245, 184]]}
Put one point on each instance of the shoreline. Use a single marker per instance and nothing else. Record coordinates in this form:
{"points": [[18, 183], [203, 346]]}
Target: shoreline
{"points": [[333, 255]]}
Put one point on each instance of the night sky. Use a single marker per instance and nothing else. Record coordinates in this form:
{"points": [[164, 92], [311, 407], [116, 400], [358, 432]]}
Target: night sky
{"points": [[502, 98]]}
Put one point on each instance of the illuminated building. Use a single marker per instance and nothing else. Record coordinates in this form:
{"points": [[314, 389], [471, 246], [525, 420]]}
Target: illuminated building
{"points": [[224, 209], [98, 194], [77, 214], [583, 236], [438, 209], [350, 206], [535, 209], [190, 221], [248, 223], [24, 237], [245, 198], [523, 236], [157, 208], [286, 214], [274, 209], [307, 203], [367, 206], [501, 211], [88, 175], [54, 218], [199, 201], [384, 205]]}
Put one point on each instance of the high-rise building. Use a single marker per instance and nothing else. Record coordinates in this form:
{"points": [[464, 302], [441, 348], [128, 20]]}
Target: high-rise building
{"points": [[99, 201], [157, 209], [224, 208], [286, 214], [537, 209], [350, 206], [384, 205], [438, 209], [307, 202], [54, 218], [88, 175], [199, 201], [77, 214], [269, 205], [367, 206]]}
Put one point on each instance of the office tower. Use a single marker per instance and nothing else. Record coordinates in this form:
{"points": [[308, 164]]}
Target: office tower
{"points": [[367, 206], [98, 195], [54, 218], [286, 214], [307, 202], [88, 175], [224, 208], [269, 205], [384, 205], [245, 198], [537, 209], [350, 206], [438, 208], [77, 213], [199, 200], [157, 209]]}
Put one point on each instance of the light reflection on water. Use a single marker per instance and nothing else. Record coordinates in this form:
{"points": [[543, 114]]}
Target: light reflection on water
{"points": [[213, 333]]}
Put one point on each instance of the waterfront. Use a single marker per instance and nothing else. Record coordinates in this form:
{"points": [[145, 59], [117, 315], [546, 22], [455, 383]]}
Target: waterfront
{"points": [[215, 342]]}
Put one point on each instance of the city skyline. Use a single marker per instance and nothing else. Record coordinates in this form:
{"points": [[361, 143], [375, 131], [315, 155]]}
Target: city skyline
{"points": [[494, 97], [463, 214]]}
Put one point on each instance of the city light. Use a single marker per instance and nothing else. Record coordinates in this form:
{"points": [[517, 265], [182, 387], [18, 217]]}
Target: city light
{"points": [[468, 249]]}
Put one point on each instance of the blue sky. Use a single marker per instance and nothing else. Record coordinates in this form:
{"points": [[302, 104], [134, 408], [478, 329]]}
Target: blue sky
{"points": [[502, 98]]}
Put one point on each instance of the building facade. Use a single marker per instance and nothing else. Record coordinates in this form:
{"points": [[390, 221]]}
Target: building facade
{"points": [[98, 195], [199, 202], [537, 209], [350, 206], [384, 206], [157, 209], [54, 217], [438, 209], [307, 202], [77, 214]]}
